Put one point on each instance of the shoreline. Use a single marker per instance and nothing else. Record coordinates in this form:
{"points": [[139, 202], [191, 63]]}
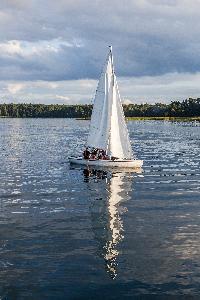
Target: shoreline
{"points": [[174, 119]]}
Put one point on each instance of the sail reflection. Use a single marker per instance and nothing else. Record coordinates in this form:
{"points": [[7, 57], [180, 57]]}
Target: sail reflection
{"points": [[107, 213]]}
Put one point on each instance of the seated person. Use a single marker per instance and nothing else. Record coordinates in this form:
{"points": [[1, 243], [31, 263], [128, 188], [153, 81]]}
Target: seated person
{"points": [[94, 153], [100, 156], [86, 153], [104, 152]]}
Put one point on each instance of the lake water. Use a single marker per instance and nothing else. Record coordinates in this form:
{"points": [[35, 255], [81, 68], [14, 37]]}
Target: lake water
{"points": [[68, 233]]}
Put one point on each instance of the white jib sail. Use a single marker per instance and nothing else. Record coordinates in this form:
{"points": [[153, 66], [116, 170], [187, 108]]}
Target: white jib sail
{"points": [[108, 128]]}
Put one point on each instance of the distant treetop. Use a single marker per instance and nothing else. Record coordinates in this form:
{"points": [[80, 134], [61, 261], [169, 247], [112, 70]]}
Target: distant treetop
{"points": [[187, 108]]}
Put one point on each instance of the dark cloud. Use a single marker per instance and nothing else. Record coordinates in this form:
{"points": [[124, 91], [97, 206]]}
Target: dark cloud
{"points": [[149, 37], [48, 63]]}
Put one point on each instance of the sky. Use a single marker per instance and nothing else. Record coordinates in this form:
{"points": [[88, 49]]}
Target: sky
{"points": [[53, 51]]}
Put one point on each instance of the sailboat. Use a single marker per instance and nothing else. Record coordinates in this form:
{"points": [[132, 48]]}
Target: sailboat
{"points": [[108, 130]]}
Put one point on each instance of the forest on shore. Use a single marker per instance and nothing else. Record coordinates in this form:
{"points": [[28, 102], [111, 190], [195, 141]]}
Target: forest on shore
{"points": [[187, 108]]}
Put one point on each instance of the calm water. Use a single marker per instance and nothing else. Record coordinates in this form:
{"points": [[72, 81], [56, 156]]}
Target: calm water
{"points": [[69, 234]]}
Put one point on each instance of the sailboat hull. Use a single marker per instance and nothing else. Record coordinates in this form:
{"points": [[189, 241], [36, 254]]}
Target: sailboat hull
{"points": [[118, 163]]}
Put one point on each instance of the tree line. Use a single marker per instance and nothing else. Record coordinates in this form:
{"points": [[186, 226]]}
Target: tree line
{"points": [[187, 108]]}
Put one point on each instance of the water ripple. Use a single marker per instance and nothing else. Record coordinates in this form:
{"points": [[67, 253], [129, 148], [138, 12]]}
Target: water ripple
{"points": [[130, 233]]}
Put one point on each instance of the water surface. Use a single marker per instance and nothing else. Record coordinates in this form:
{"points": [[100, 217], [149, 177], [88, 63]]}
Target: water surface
{"points": [[66, 233]]}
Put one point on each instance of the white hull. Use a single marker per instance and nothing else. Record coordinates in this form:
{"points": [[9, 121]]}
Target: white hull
{"points": [[107, 163]]}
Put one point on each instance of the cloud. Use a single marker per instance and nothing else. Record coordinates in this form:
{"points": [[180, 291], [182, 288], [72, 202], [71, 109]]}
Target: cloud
{"points": [[25, 49], [57, 41], [10, 48], [14, 88], [45, 60], [127, 101], [162, 88], [64, 98], [70, 91]]}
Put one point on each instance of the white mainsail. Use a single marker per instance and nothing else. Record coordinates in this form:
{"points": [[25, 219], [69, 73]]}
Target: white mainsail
{"points": [[108, 128]]}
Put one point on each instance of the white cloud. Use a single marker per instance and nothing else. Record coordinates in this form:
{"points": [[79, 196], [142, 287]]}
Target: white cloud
{"points": [[127, 101], [164, 88], [71, 91], [14, 88], [25, 48], [10, 48], [61, 97]]}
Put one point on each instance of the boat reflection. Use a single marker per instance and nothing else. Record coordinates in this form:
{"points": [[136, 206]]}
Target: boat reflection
{"points": [[107, 212]]}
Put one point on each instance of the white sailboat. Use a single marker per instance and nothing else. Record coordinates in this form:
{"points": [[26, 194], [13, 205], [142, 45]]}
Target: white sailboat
{"points": [[108, 130]]}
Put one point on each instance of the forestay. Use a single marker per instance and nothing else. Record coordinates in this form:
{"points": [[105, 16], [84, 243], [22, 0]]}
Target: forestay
{"points": [[108, 128]]}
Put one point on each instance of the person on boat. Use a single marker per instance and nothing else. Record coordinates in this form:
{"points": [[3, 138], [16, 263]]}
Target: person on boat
{"points": [[95, 153], [103, 155], [86, 153], [100, 155], [104, 152]]}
